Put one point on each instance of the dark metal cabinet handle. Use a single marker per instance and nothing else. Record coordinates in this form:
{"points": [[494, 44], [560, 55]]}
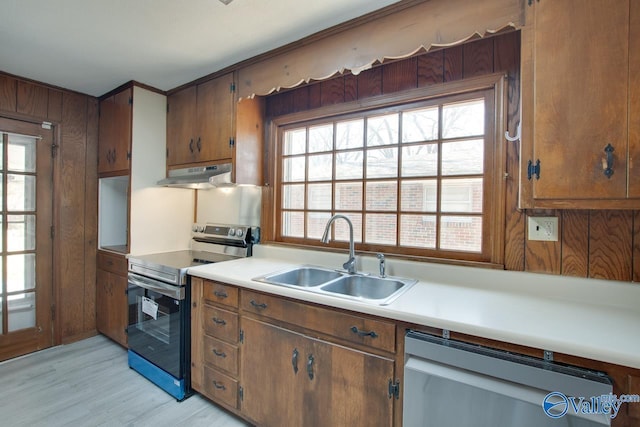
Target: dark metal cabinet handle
{"points": [[220, 294], [219, 353], [199, 144], [261, 306], [357, 331], [219, 321], [608, 167], [294, 360], [310, 366], [191, 145], [219, 386]]}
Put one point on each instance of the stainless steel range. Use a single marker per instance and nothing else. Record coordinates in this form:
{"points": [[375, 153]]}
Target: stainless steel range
{"points": [[159, 296]]}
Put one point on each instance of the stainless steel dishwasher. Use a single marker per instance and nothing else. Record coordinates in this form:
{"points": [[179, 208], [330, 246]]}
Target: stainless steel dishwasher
{"points": [[450, 383]]}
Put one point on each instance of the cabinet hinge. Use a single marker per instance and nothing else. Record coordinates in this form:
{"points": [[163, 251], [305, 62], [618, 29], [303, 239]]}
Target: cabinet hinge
{"points": [[53, 312], [241, 336], [54, 150], [167, 107], [533, 169], [241, 393], [232, 142], [394, 389], [232, 87], [531, 2], [53, 232], [128, 155], [130, 100]]}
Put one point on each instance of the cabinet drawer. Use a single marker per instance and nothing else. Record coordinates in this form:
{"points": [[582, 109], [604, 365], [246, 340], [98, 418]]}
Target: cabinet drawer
{"points": [[219, 293], [221, 355], [112, 263], [352, 327], [220, 387], [221, 324]]}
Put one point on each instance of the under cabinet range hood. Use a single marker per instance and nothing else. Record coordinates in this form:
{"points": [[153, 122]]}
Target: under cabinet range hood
{"points": [[199, 177]]}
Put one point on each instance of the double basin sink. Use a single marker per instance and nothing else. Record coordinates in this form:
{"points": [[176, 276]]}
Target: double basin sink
{"points": [[358, 286]]}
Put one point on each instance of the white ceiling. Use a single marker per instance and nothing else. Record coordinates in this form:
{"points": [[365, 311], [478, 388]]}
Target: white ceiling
{"points": [[93, 46]]}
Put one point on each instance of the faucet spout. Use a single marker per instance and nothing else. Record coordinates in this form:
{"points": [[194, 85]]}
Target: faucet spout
{"points": [[350, 265]]}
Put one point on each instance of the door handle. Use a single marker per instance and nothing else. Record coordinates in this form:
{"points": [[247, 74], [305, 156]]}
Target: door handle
{"points": [[294, 360], [199, 144], [191, 145], [608, 162], [310, 366]]}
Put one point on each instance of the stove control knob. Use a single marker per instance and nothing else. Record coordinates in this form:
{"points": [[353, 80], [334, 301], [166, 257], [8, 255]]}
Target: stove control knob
{"points": [[194, 228], [232, 232], [201, 228], [239, 232]]}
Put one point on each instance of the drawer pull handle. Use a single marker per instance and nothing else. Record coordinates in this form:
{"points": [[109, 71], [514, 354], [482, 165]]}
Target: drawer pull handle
{"points": [[294, 360], [191, 145], [310, 366], [259, 306], [219, 321], [219, 353], [220, 294], [357, 331], [607, 164], [219, 386]]}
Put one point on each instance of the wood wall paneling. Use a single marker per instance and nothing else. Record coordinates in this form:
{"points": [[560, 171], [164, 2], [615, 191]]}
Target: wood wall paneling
{"points": [[477, 58], [430, 68], [370, 83], [350, 88], [54, 109], [575, 243], [32, 100], [610, 244], [400, 75], [332, 91], [8, 90], [453, 64], [71, 221]]}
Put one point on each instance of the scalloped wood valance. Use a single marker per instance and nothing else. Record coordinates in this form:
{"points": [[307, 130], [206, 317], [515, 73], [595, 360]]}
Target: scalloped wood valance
{"points": [[427, 25]]}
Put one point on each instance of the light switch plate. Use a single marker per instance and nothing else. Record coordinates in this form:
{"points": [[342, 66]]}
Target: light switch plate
{"points": [[543, 228]]}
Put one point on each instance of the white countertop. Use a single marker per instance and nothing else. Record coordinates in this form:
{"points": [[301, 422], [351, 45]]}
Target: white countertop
{"points": [[590, 318]]}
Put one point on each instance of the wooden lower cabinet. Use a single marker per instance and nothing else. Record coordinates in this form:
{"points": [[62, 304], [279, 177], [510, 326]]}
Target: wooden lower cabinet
{"points": [[293, 379], [112, 307]]}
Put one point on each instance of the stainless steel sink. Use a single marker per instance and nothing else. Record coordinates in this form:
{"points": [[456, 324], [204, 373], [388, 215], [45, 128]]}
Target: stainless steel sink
{"points": [[365, 287], [305, 276], [360, 287]]}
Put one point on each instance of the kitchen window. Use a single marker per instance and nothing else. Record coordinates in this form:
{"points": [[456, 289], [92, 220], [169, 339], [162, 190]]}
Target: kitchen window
{"points": [[421, 178]]}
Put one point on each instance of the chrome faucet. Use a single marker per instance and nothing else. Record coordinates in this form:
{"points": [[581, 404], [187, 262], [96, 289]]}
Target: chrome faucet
{"points": [[350, 265], [382, 265]]}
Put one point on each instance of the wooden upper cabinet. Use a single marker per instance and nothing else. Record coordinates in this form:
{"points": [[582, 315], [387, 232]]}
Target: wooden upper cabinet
{"points": [[576, 91], [114, 141], [200, 122]]}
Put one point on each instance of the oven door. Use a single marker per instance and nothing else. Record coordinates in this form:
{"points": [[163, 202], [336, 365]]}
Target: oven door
{"points": [[157, 323]]}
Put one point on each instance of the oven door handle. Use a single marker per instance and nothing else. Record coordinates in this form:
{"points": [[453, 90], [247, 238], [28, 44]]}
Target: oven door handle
{"points": [[175, 292]]}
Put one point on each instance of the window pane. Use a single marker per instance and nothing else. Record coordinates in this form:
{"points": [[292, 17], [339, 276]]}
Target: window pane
{"points": [[316, 222], [382, 196], [341, 228], [461, 195], [295, 141], [420, 160], [21, 156], [382, 163], [293, 196], [349, 134], [418, 231], [349, 165], [348, 196], [381, 228], [293, 224], [21, 232], [419, 196], [463, 157], [21, 192], [461, 233], [21, 272], [382, 130], [320, 167], [463, 119], [321, 138], [420, 125], [319, 196], [293, 169], [22, 311]]}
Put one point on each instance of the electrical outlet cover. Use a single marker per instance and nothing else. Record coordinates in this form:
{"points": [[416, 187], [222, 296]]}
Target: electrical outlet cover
{"points": [[543, 228]]}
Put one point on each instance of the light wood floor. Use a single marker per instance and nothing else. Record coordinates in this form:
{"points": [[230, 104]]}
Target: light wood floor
{"points": [[88, 383]]}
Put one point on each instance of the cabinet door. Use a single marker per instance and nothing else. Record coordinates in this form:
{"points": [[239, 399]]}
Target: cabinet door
{"points": [[107, 126], [634, 101], [273, 374], [215, 107], [580, 81], [114, 140], [181, 123], [111, 306]]}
